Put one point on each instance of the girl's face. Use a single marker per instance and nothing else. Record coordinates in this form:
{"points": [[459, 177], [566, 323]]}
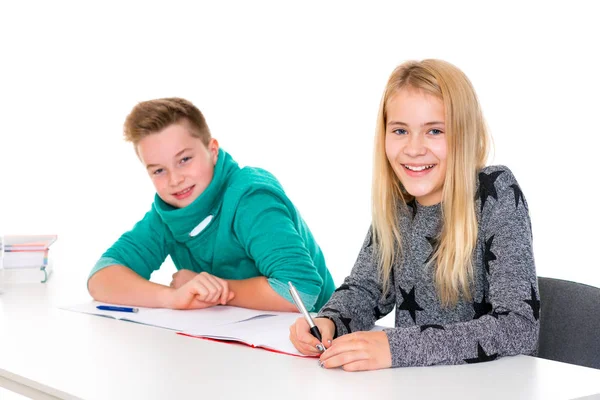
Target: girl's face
{"points": [[180, 165], [415, 143]]}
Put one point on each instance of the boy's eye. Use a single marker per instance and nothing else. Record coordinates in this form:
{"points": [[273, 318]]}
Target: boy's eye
{"points": [[158, 171], [400, 131], [435, 132], [185, 159]]}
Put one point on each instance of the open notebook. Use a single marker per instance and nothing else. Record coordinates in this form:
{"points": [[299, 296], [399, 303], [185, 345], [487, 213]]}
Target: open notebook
{"points": [[256, 328], [267, 332], [178, 320]]}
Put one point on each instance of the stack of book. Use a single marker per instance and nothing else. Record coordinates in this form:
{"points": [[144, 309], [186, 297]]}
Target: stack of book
{"points": [[27, 258]]}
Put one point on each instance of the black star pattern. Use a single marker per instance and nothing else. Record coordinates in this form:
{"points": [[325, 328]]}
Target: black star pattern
{"points": [[344, 286], [413, 205], [518, 195], [534, 303], [433, 242], [410, 304], [497, 314], [481, 356], [482, 308], [387, 301], [424, 327], [346, 322], [378, 313], [487, 187], [488, 255]]}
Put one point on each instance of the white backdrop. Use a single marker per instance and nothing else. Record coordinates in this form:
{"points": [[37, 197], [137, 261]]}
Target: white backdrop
{"points": [[293, 88]]}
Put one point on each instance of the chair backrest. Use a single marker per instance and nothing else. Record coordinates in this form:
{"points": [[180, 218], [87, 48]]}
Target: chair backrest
{"points": [[569, 322]]}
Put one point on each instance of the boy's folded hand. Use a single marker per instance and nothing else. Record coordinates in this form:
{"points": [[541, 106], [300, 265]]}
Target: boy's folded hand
{"points": [[201, 291], [182, 277]]}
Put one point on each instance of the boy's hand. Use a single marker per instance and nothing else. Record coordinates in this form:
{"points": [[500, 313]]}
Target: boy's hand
{"points": [[202, 291], [182, 277], [305, 342]]}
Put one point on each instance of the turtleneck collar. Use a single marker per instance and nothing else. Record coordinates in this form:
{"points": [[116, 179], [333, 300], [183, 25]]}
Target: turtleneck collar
{"points": [[182, 221]]}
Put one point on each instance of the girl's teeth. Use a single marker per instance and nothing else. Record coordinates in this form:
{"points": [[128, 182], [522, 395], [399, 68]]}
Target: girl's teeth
{"points": [[184, 191], [417, 169]]}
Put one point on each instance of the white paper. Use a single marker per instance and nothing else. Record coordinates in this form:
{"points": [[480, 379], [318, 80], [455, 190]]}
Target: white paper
{"points": [[179, 320]]}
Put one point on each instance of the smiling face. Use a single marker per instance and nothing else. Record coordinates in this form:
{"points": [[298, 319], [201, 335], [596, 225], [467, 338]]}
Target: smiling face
{"points": [[180, 165], [415, 143]]}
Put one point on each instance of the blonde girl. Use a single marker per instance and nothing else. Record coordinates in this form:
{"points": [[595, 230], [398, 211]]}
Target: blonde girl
{"points": [[450, 244]]}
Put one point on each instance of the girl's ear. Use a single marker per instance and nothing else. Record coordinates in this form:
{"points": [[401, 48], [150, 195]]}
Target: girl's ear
{"points": [[213, 148]]}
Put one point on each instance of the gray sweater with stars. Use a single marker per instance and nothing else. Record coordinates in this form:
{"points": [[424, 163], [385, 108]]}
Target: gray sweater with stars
{"points": [[502, 317]]}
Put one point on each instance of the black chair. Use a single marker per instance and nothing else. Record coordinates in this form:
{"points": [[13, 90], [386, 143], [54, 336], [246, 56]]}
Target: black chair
{"points": [[569, 322]]}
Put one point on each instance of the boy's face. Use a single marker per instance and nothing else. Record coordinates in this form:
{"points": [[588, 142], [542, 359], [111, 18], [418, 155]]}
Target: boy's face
{"points": [[179, 164]]}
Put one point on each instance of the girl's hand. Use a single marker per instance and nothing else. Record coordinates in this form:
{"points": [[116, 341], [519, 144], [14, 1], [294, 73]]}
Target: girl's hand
{"points": [[359, 351], [202, 291], [182, 277], [304, 341]]}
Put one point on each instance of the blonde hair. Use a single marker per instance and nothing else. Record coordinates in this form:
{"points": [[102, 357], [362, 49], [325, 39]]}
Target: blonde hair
{"points": [[467, 149], [152, 116]]}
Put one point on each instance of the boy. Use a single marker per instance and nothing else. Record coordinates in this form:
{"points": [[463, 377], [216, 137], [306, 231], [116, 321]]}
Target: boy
{"points": [[232, 233]]}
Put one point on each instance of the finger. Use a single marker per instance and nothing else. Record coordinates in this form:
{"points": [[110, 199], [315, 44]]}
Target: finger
{"points": [[303, 335], [218, 288], [344, 344], [327, 329], [198, 288], [211, 286], [225, 296], [301, 347], [230, 297], [197, 304], [361, 365], [174, 275], [344, 358], [326, 334]]}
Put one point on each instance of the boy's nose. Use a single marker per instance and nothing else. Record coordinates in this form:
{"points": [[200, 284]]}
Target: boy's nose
{"points": [[175, 179]]}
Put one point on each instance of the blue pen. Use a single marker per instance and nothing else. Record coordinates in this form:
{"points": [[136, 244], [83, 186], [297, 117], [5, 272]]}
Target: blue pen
{"points": [[116, 308]]}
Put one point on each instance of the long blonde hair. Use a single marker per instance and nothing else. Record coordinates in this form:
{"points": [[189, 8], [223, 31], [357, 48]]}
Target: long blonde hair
{"points": [[467, 146]]}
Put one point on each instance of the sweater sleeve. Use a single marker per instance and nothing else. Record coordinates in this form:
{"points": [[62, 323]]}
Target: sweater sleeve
{"points": [[264, 225], [359, 302], [142, 249], [511, 325]]}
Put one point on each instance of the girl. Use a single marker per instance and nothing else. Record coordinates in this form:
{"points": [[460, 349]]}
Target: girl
{"points": [[450, 244]]}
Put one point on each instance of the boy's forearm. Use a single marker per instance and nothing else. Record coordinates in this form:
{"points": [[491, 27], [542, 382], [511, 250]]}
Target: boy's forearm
{"points": [[120, 285], [256, 293]]}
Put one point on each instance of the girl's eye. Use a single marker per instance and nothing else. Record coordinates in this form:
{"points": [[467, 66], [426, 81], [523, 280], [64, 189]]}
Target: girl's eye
{"points": [[158, 171], [400, 131], [185, 159], [435, 132]]}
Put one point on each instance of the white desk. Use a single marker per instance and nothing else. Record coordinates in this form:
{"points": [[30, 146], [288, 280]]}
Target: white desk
{"points": [[49, 353]]}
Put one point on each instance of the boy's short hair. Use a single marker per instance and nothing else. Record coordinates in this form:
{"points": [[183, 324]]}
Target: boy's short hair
{"points": [[152, 116]]}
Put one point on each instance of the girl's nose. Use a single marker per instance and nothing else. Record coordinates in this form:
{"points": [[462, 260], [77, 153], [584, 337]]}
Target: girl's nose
{"points": [[415, 146]]}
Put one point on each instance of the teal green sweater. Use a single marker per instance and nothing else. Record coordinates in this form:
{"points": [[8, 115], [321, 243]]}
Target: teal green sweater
{"points": [[255, 230]]}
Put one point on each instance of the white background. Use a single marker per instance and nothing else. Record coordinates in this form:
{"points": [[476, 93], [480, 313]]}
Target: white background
{"points": [[293, 88]]}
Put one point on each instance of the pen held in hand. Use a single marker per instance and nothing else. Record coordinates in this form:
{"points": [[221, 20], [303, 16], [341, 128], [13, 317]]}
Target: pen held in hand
{"points": [[314, 330]]}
